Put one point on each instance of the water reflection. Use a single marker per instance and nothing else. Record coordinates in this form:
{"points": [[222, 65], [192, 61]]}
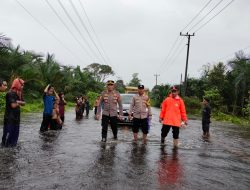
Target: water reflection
{"points": [[48, 139], [170, 170], [138, 154], [9, 167], [103, 172]]}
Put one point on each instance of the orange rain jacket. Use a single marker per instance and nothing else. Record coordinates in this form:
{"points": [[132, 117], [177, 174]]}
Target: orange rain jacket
{"points": [[173, 111]]}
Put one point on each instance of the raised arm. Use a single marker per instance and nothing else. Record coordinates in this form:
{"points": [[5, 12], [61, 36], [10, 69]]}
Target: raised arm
{"points": [[46, 88]]}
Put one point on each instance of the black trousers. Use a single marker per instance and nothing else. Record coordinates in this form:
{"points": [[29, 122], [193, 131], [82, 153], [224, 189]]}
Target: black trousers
{"points": [[46, 122], [205, 127], [95, 110], [165, 129], [113, 123]]}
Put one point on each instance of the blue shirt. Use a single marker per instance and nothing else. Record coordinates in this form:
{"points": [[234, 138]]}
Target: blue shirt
{"points": [[48, 102]]}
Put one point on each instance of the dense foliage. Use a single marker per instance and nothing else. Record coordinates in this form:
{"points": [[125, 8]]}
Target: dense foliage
{"points": [[226, 85], [38, 71]]}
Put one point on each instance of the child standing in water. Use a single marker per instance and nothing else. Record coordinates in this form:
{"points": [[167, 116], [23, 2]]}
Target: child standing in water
{"points": [[62, 104], [206, 114], [56, 122]]}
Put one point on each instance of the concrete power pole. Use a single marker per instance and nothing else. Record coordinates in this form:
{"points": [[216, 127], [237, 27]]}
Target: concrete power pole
{"points": [[186, 69], [156, 76]]}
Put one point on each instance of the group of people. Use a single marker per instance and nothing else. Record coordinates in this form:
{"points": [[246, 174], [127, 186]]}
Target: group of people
{"points": [[54, 108], [82, 104], [172, 115]]}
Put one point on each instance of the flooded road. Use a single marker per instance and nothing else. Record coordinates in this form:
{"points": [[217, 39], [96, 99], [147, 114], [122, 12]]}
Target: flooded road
{"points": [[74, 158]]}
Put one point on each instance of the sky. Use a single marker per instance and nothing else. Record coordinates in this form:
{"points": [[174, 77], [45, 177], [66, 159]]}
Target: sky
{"points": [[132, 36]]}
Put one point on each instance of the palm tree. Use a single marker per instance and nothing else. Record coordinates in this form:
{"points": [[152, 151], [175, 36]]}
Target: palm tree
{"points": [[240, 69]]}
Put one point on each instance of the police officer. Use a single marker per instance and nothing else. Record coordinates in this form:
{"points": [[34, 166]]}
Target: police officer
{"points": [[109, 100], [140, 107]]}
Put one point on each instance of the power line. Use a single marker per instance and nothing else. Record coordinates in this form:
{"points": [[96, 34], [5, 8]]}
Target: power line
{"points": [[86, 29], [173, 60], [65, 25], [92, 27], [171, 49], [175, 42], [214, 16], [197, 15], [51, 33], [74, 24], [206, 15], [173, 53]]}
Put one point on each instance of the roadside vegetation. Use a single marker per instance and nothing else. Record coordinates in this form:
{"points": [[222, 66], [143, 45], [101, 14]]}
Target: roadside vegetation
{"points": [[227, 85]]}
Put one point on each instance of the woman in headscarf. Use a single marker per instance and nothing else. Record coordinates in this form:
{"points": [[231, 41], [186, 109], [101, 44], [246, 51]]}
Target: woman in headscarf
{"points": [[14, 99]]}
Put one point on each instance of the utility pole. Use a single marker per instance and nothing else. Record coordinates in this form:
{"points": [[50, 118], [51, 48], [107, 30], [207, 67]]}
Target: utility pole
{"points": [[156, 78], [186, 69], [181, 85]]}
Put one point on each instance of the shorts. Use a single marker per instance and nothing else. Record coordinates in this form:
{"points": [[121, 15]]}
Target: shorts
{"points": [[140, 123]]}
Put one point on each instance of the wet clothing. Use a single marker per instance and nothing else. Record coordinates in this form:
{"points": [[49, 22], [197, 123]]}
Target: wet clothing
{"points": [[173, 111], [106, 120], [11, 120], [96, 105], [109, 101], [140, 107], [56, 122], [62, 104], [165, 130], [87, 107], [46, 122], [48, 101], [140, 123], [206, 114]]}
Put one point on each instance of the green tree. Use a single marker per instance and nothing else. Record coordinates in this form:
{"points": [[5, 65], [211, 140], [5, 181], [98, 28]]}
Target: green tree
{"points": [[120, 86], [135, 81], [240, 70], [99, 72]]}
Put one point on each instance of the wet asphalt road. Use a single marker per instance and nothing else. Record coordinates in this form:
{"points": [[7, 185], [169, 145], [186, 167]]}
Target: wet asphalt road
{"points": [[74, 158]]}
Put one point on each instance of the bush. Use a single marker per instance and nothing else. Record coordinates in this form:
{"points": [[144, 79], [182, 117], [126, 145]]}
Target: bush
{"points": [[193, 105], [2, 101], [92, 97], [215, 98]]}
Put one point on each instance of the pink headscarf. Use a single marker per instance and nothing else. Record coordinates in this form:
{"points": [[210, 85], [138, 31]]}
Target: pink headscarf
{"points": [[17, 86]]}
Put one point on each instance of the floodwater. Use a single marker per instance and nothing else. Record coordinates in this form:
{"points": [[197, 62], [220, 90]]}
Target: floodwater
{"points": [[74, 158]]}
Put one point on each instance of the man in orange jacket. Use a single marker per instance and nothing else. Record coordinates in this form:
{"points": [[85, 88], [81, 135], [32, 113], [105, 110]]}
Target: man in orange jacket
{"points": [[173, 112]]}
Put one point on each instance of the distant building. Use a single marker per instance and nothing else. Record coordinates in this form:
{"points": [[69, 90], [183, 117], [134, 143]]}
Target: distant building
{"points": [[134, 90]]}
